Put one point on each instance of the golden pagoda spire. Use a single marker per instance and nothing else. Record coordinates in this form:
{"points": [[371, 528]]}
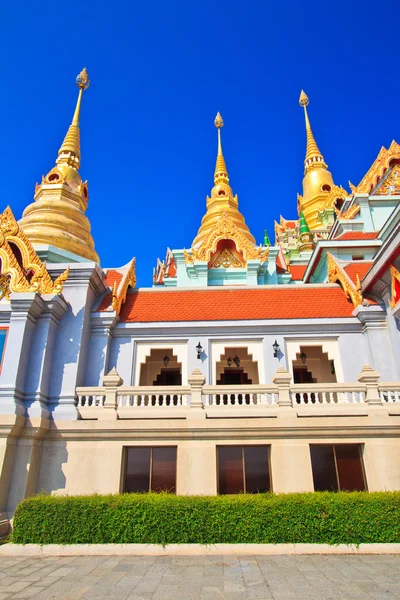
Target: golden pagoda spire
{"points": [[221, 172], [319, 190], [314, 158], [56, 220], [70, 151], [222, 203]]}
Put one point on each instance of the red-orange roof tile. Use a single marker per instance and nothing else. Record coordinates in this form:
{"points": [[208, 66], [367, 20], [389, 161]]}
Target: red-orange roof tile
{"points": [[297, 271], [290, 302], [357, 268], [111, 277], [358, 235]]}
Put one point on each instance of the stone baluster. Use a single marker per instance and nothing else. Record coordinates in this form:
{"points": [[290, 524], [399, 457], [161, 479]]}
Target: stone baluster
{"points": [[282, 379], [369, 377], [111, 382], [196, 381]]}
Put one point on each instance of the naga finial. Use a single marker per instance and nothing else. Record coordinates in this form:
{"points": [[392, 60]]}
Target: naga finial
{"points": [[218, 121], [303, 100], [82, 80]]}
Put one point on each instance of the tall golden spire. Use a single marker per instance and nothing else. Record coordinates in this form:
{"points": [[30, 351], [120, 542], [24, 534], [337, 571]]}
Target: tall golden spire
{"points": [[318, 185], [70, 151], [314, 158], [221, 172], [56, 219], [222, 202]]}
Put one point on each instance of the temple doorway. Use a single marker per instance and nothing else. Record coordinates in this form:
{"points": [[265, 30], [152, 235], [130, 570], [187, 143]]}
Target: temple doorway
{"points": [[236, 367], [161, 368], [312, 365]]}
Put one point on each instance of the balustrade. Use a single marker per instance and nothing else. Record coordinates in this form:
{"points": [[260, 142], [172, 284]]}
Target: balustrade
{"points": [[281, 394]]}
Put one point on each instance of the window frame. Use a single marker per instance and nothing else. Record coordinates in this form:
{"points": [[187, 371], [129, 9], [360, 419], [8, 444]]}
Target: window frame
{"points": [[243, 446], [125, 465], [361, 457]]}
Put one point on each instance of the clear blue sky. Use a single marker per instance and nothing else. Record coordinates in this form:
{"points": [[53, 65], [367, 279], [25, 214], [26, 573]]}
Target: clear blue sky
{"points": [[159, 73]]}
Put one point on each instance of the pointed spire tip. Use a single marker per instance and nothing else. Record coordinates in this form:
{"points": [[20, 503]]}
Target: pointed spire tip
{"points": [[303, 100], [218, 121]]}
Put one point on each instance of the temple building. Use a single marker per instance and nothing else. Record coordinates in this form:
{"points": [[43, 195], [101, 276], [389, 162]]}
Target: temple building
{"points": [[245, 368]]}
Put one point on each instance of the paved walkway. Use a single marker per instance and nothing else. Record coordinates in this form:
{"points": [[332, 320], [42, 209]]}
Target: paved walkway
{"points": [[201, 577]]}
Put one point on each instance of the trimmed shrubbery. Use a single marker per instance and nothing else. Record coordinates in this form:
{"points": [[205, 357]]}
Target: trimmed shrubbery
{"points": [[332, 518]]}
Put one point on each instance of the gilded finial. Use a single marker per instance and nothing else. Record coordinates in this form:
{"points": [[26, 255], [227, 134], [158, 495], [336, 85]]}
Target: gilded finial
{"points": [[82, 80], [70, 151], [218, 121], [303, 100], [314, 158], [221, 173]]}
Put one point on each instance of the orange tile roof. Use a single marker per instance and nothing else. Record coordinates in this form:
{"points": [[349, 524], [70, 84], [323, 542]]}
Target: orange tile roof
{"points": [[297, 271], [358, 235], [358, 268], [111, 277], [289, 302]]}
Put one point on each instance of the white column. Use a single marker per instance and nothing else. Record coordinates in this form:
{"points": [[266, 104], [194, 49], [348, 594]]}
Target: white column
{"points": [[25, 309], [42, 351]]}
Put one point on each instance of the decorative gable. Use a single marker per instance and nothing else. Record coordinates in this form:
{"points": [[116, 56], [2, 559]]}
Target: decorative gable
{"points": [[21, 268]]}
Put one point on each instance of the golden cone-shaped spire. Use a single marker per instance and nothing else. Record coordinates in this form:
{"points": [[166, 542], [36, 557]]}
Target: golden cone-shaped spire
{"points": [[222, 203], [318, 184], [70, 151], [314, 157], [221, 172], [57, 215]]}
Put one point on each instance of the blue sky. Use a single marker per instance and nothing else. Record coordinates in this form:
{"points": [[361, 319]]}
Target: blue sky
{"points": [[159, 73]]}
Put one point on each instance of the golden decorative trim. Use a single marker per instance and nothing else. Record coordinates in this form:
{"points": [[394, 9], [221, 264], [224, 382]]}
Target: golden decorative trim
{"points": [[378, 169], [225, 229], [337, 192], [119, 293], [338, 275], [395, 287], [25, 273], [225, 259], [391, 185], [350, 213]]}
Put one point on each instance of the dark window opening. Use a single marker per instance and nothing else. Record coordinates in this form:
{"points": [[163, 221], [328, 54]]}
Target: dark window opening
{"points": [[337, 467], [326, 187], [243, 469], [151, 469], [169, 377]]}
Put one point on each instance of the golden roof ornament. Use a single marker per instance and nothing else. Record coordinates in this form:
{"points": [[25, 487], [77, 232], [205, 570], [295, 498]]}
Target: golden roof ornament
{"points": [[221, 172], [314, 158], [222, 203], [57, 215], [70, 151]]}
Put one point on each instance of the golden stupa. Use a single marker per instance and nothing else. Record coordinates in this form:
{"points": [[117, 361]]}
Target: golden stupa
{"points": [[56, 217], [222, 203], [318, 182]]}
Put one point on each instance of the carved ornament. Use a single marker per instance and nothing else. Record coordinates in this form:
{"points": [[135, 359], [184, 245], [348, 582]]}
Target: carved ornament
{"points": [[391, 185], [225, 229], [378, 169], [350, 213], [336, 274], [225, 259], [21, 268], [119, 292], [395, 287], [337, 192]]}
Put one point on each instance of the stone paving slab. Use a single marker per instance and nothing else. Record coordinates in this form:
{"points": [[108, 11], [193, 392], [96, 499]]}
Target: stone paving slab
{"points": [[201, 577]]}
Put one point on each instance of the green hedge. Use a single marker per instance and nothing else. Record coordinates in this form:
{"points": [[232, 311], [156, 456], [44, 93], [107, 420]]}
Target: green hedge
{"points": [[332, 518]]}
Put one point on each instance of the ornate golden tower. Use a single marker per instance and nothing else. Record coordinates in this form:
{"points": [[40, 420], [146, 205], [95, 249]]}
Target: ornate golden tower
{"points": [[222, 203], [317, 183], [56, 217]]}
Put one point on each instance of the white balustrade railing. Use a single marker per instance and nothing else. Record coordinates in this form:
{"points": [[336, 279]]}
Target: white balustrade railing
{"points": [[239, 395], [389, 392], [153, 396], [328, 393], [90, 397]]}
